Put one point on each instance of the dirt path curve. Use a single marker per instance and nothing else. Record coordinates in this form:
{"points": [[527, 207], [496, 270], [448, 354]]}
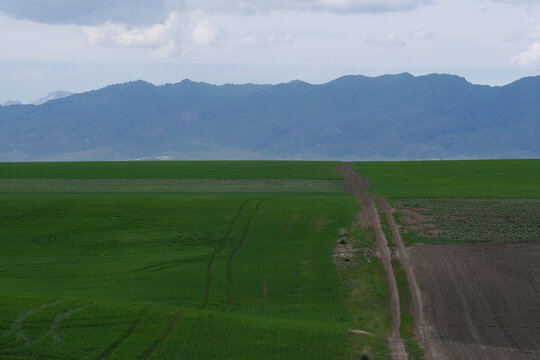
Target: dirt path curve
{"points": [[421, 327], [358, 186]]}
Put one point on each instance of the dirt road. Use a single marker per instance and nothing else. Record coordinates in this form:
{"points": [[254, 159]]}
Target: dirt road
{"points": [[358, 186], [421, 327]]}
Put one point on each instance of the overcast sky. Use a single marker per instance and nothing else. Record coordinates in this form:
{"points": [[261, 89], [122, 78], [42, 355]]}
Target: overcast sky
{"points": [[79, 45]]}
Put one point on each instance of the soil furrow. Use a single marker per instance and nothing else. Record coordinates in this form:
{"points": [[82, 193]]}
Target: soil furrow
{"points": [[358, 186]]}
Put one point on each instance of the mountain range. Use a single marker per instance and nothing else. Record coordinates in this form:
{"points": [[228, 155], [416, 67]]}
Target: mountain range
{"points": [[50, 96], [398, 117]]}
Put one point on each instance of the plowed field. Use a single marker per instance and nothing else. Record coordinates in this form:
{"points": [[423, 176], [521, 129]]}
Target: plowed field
{"points": [[482, 300]]}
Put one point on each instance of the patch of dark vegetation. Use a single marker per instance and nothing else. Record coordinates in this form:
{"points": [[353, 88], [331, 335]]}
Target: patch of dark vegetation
{"points": [[469, 220]]}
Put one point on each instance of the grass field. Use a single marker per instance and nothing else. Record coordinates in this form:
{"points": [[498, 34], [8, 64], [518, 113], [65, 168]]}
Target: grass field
{"points": [[155, 275], [480, 179], [322, 170]]}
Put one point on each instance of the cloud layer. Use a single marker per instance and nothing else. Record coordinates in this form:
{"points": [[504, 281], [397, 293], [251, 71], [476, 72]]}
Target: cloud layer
{"points": [[529, 58], [143, 12]]}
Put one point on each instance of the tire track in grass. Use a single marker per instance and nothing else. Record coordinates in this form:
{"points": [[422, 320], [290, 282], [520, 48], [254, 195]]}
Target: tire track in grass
{"points": [[16, 327], [291, 223], [235, 251], [57, 339], [218, 251], [130, 331], [163, 337]]}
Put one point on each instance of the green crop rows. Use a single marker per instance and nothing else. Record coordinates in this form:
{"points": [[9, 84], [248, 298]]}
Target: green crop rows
{"points": [[170, 185], [159, 275], [464, 220], [475, 179]]}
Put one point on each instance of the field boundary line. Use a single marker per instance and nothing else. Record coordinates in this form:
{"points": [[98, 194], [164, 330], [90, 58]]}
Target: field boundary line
{"points": [[130, 331], [235, 251], [419, 318], [358, 186], [218, 251], [163, 337]]}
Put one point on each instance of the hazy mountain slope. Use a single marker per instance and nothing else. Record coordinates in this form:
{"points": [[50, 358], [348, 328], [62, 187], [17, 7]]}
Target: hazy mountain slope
{"points": [[353, 117], [52, 96]]}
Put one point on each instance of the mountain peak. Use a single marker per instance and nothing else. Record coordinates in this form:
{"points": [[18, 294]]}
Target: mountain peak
{"points": [[11, 102], [59, 94]]}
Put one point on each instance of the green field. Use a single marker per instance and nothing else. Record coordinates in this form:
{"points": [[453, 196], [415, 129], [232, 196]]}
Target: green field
{"points": [[200, 274], [322, 170], [516, 179], [460, 201], [468, 220]]}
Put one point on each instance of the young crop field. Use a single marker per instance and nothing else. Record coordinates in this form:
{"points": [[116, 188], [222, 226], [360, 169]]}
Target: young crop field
{"points": [[322, 170], [201, 274], [476, 179], [466, 220]]}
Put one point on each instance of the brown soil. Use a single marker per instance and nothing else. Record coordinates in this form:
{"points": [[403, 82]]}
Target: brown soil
{"points": [[482, 300], [357, 186], [421, 333]]}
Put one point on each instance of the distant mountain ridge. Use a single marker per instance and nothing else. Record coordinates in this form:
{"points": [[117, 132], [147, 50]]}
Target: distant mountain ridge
{"points": [[353, 117], [50, 96]]}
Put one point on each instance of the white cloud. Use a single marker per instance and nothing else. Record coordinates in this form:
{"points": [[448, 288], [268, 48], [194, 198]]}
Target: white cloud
{"points": [[335, 6], [111, 34], [529, 58], [161, 37], [204, 33], [422, 35], [387, 40], [265, 40]]}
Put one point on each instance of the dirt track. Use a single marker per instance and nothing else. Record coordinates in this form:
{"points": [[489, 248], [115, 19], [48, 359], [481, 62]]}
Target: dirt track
{"points": [[472, 301], [482, 299], [357, 186], [421, 328]]}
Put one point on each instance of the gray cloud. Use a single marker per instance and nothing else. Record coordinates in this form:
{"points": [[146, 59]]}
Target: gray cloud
{"points": [[88, 12], [137, 12]]}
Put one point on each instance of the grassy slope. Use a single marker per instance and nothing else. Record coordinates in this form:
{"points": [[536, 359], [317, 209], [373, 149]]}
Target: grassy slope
{"points": [[453, 179], [110, 274]]}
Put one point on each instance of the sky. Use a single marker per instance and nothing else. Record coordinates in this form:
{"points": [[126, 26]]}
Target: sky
{"points": [[80, 45]]}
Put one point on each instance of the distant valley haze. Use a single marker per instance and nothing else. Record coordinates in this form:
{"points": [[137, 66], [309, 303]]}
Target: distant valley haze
{"points": [[390, 117]]}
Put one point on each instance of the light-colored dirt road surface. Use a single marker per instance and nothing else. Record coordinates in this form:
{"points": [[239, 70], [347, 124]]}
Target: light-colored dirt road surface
{"points": [[357, 186], [421, 330], [482, 300]]}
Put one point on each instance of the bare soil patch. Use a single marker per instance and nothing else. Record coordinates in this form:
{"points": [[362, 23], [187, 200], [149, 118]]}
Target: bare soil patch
{"points": [[481, 300]]}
